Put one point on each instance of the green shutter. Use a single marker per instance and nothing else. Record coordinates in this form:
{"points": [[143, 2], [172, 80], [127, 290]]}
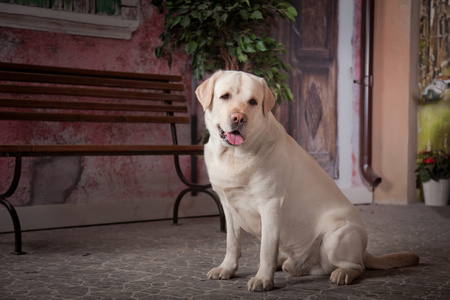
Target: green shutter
{"points": [[108, 7], [35, 3], [101, 7]]}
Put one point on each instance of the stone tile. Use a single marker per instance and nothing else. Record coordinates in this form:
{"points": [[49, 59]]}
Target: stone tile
{"points": [[155, 260]]}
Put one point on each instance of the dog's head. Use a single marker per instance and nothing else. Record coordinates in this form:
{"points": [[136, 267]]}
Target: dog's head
{"points": [[234, 103]]}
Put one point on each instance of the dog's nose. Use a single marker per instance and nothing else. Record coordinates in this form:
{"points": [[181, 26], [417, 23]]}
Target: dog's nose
{"points": [[238, 118]]}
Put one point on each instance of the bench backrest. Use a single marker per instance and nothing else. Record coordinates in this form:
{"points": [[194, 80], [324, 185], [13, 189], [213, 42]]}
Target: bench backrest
{"points": [[42, 93]]}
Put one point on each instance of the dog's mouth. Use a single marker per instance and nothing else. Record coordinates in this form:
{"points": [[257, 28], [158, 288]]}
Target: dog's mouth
{"points": [[233, 138]]}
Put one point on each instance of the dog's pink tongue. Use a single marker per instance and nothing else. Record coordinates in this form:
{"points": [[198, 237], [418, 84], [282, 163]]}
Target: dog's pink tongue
{"points": [[235, 139]]}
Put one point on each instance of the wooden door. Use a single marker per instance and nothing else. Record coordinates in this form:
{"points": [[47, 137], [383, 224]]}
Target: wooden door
{"points": [[311, 44]]}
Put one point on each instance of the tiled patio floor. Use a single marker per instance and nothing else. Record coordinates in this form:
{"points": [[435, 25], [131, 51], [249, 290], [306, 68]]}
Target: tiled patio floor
{"points": [[157, 260]]}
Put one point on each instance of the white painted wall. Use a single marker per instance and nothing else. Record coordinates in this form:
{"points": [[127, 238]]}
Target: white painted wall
{"points": [[348, 108]]}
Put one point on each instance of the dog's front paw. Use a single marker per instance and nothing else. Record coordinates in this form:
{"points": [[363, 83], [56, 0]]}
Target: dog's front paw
{"points": [[256, 284], [221, 273]]}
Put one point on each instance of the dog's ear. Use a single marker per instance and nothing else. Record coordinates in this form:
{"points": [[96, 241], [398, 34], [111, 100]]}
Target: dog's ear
{"points": [[269, 98], [205, 91]]}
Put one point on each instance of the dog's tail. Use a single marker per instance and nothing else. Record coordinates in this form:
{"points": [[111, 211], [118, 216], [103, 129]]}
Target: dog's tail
{"points": [[389, 261]]}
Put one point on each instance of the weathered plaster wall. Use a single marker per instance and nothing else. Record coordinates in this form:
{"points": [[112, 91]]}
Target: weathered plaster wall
{"points": [[348, 102], [95, 180], [348, 92]]}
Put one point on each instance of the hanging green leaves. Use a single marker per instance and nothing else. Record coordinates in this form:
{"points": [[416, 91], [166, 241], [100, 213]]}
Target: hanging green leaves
{"points": [[230, 35]]}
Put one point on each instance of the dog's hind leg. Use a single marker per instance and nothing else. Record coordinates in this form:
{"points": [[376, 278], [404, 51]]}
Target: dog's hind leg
{"points": [[282, 257], [343, 249], [293, 267]]}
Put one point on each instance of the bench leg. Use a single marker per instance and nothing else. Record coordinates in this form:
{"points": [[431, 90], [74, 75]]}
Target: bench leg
{"points": [[194, 188], [16, 223], [12, 211], [200, 190]]}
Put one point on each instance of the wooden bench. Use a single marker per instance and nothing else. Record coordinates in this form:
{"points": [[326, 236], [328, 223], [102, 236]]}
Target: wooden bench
{"points": [[51, 94]]}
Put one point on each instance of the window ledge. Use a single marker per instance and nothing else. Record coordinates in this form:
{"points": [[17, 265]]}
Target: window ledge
{"points": [[25, 17]]}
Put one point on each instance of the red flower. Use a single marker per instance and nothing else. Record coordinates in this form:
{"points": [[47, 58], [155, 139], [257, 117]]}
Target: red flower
{"points": [[429, 160]]}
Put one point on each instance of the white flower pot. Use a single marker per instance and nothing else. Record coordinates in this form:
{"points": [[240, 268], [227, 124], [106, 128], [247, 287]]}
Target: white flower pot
{"points": [[436, 193]]}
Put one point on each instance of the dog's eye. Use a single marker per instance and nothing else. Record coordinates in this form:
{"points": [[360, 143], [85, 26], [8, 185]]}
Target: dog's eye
{"points": [[225, 97], [252, 102]]}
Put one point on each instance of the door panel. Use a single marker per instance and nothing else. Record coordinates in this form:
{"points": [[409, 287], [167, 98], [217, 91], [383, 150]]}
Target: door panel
{"points": [[311, 43], [313, 28]]}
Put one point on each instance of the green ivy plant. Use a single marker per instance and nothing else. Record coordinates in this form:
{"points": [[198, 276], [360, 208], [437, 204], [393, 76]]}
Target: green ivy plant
{"points": [[229, 35]]}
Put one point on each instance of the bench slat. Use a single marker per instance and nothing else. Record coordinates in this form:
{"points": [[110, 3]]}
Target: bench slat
{"points": [[57, 117], [87, 72], [99, 150], [63, 104], [86, 92], [86, 80]]}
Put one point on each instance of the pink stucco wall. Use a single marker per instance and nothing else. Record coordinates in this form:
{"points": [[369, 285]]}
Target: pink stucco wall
{"points": [[395, 94], [93, 179], [90, 180]]}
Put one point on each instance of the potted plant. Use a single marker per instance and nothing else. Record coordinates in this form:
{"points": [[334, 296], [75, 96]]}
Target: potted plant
{"points": [[228, 34], [433, 172]]}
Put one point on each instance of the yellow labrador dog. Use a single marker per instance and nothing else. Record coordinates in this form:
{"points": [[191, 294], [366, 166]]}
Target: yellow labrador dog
{"points": [[272, 188]]}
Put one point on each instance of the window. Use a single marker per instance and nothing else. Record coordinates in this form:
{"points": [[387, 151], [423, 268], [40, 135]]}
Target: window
{"points": [[101, 18]]}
